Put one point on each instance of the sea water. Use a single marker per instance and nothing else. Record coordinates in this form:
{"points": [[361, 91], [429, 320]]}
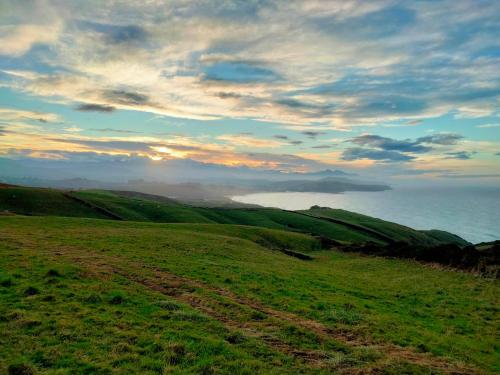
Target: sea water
{"points": [[471, 213]]}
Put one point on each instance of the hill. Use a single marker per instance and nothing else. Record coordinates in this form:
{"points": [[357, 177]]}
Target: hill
{"points": [[333, 225], [81, 295]]}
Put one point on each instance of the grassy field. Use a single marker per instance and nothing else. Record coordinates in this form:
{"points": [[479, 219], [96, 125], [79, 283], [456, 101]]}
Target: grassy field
{"points": [[90, 296], [346, 227]]}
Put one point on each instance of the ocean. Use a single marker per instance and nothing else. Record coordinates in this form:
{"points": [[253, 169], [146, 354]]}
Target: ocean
{"points": [[471, 213]]}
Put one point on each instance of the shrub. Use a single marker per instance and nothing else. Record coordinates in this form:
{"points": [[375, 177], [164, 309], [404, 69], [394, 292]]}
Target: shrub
{"points": [[20, 369]]}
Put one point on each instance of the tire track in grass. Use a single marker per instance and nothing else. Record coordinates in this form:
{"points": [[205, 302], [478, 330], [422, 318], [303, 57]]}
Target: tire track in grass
{"points": [[184, 290], [187, 291]]}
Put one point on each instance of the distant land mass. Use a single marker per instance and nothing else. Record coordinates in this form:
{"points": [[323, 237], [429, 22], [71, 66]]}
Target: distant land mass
{"points": [[213, 193]]}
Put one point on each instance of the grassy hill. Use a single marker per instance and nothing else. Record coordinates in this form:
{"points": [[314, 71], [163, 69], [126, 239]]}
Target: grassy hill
{"points": [[336, 225], [393, 231], [93, 296]]}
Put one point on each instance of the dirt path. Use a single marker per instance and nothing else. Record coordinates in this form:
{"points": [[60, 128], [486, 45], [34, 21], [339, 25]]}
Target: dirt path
{"points": [[213, 301], [226, 306]]}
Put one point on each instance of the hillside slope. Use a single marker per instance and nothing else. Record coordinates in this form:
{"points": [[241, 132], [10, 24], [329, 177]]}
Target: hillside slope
{"points": [[83, 295], [346, 227], [393, 231]]}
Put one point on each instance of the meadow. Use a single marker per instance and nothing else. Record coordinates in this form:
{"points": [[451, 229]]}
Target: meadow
{"points": [[82, 295]]}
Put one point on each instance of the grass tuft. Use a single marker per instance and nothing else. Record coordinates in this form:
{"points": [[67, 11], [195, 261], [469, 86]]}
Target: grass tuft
{"points": [[6, 283], [52, 273], [31, 291], [116, 298]]}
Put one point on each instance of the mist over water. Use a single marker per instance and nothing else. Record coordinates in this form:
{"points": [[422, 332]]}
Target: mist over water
{"points": [[471, 213]]}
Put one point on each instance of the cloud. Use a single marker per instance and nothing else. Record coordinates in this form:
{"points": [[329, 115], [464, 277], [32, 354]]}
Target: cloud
{"points": [[461, 155], [441, 139], [357, 153], [279, 62], [312, 134], [240, 72], [116, 34], [106, 130], [126, 97], [389, 149], [487, 126], [249, 141], [389, 144], [11, 114], [16, 40], [322, 146], [95, 108]]}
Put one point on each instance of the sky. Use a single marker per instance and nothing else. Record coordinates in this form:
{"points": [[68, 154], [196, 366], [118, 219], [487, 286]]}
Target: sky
{"points": [[396, 89]]}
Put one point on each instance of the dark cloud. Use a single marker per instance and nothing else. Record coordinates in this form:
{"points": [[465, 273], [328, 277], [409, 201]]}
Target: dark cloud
{"points": [[462, 155], [313, 134], [497, 154], [126, 97], [228, 95], [389, 144], [357, 153], [117, 34], [322, 146], [441, 139], [388, 149], [286, 138], [95, 108]]}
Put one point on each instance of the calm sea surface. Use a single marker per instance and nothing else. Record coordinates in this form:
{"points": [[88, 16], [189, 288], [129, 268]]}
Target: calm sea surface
{"points": [[472, 213]]}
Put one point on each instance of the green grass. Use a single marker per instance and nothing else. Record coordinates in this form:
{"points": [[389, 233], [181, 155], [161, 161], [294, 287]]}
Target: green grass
{"points": [[395, 231], [37, 201], [130, 297], [104, 204]]}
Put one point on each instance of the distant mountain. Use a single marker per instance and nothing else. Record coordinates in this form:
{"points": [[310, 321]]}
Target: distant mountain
{"points": [[122, 169], [324, 185]]}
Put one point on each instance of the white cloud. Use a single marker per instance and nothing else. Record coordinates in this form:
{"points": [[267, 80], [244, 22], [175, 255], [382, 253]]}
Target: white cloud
{"points": [[10, 114], [17, 40], [378, 72], [488, 126]]}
